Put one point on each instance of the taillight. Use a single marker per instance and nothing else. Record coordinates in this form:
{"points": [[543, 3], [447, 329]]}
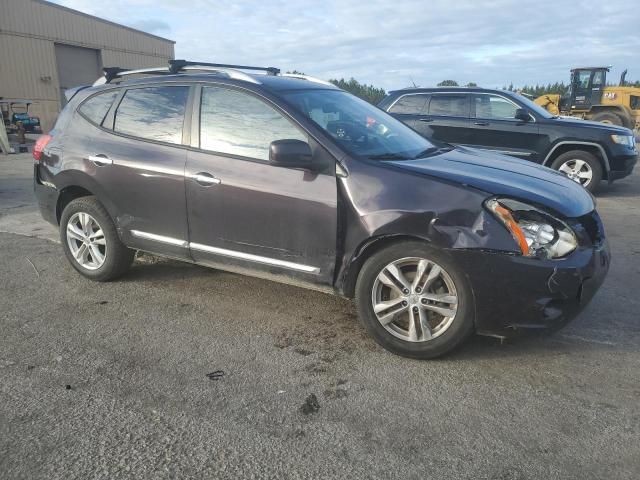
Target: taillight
{"points": [[39, 146]]}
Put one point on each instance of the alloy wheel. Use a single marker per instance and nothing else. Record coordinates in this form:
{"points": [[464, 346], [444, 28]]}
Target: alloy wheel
{"points": [[414, 299], [86, 241], [578, 171]]}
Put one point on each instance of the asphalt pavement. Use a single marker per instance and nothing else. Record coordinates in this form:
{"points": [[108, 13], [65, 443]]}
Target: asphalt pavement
{"points": [[177, 371]]}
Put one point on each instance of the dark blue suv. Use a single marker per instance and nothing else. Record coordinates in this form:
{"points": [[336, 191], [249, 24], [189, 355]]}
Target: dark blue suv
{"points": [[505, 122]]}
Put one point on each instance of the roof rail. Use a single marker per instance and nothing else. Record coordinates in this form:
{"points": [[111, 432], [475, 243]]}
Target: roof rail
{"points": [[111, 73], [307, 77], [177, 66]]}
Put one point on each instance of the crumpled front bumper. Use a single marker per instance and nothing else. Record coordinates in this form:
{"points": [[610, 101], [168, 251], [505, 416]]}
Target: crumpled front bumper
{"points": [[515, 294]]}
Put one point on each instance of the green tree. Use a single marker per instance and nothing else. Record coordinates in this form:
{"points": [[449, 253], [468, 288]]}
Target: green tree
{"points": [[366, 92], [448, 83], [471, 84]]}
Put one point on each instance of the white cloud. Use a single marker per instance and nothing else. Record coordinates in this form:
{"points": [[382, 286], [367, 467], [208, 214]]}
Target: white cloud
{"points": [[393, 44]]}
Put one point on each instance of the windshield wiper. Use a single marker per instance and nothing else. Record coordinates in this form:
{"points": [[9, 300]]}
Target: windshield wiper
{"points": [[432, 150], [388, 156]]}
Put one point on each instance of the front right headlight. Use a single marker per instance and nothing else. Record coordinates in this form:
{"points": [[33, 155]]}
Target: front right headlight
{"points": [[537, 233], [627, 140]]}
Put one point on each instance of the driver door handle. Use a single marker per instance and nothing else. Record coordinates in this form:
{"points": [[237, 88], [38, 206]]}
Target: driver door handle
{"points": [[205, 179], [482, 124], [425, 120]]}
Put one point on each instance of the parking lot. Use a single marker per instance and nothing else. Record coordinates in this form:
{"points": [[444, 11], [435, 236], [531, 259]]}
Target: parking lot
{"points": [[110, 380]]}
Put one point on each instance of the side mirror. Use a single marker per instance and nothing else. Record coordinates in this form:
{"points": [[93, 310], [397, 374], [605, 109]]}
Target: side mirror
{"points": [[290, 153], [522, 114]]}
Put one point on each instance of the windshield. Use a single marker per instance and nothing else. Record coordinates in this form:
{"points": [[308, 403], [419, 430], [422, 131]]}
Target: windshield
{"points": [[534, 106], [362, 129]]}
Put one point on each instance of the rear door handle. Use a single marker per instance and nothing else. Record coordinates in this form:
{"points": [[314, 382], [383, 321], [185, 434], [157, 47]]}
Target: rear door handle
{"points": [[100, 160], [482, 124], [425, 120], [205, 179]]}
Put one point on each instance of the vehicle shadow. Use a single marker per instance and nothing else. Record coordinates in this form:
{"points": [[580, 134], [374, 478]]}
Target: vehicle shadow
{"points": [[628, 187], [338, 324]]}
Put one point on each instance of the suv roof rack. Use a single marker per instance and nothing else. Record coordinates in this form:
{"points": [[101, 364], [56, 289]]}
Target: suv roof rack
{"points": [[178, 66]]}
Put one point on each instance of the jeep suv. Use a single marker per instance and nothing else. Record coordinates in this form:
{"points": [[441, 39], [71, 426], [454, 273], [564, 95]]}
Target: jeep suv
{"points": [[505, 122], [290, 178]]}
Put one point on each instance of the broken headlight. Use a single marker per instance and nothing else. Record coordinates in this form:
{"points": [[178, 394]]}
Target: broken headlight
{"points": [[537, 233]]}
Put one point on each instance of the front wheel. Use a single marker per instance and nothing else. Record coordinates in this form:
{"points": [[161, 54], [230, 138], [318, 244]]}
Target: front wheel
{"points": [[414, 300], [581, 167]]}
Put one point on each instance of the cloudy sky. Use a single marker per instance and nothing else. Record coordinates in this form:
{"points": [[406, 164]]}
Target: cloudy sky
{"points": [[392, 43]]}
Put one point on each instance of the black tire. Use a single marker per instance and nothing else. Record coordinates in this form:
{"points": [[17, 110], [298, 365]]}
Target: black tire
{"points": [[611, 118], [117, 257], [458, 330], [589, 158]]}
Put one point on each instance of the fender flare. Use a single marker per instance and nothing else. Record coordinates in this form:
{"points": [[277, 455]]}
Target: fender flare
{"points": [[605, 157], [77, 178]]}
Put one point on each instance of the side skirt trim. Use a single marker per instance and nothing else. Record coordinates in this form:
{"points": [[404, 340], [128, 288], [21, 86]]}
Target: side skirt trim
{"points": [[254, 258], [160, 238], [225, 253]]}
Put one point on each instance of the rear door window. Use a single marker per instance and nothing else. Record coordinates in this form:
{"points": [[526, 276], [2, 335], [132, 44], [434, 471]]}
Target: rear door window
{"points": [[449, 105], [153, 113], [410, 104], [95, 108]]}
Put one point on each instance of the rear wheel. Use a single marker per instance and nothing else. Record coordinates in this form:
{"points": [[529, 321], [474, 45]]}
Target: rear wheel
{"points": [[581, 167], [414, 300], [90, 241], [610, 118]]}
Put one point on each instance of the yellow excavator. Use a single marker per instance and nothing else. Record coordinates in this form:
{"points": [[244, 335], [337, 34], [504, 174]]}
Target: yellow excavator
{"points": [[590, 98]]}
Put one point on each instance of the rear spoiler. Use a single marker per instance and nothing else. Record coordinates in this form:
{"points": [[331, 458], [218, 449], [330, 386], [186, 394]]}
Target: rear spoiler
{"points": [[71, 92]]}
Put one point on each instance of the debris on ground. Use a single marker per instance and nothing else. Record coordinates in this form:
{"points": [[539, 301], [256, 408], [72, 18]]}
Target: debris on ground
{"points": [[310, 405], [217, 375]]}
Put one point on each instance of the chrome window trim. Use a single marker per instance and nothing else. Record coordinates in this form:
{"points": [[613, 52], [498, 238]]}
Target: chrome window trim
{"points": [[388, 110], [405, 95], [225, 253]]}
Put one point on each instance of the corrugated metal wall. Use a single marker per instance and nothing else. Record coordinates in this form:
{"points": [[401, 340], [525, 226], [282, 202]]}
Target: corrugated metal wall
{"points": [[29, 30]]}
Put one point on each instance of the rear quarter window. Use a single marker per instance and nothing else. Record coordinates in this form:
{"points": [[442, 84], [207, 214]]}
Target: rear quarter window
{"points": [[95, 108], [410, 104]]}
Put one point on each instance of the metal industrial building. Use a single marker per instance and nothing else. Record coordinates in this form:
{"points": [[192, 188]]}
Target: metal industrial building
{"points": [[46, 48]]}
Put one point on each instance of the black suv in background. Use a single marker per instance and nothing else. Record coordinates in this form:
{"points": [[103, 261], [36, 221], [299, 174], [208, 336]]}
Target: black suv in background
{"points": [[505, 122], [290, 178]]}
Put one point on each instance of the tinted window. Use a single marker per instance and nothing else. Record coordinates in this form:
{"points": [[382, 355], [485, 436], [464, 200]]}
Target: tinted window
{"points": [[96, 108], [494, 107], [449, 104], [410, 104], [598, 79], [239, 124], [583, 79], [154, 113]]}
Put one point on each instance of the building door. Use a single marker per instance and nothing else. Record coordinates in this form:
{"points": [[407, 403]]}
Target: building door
{"points": [[76, 66]]}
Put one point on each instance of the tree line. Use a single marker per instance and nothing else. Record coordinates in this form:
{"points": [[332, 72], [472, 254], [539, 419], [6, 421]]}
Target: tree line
{"points": [[373, 94]]}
